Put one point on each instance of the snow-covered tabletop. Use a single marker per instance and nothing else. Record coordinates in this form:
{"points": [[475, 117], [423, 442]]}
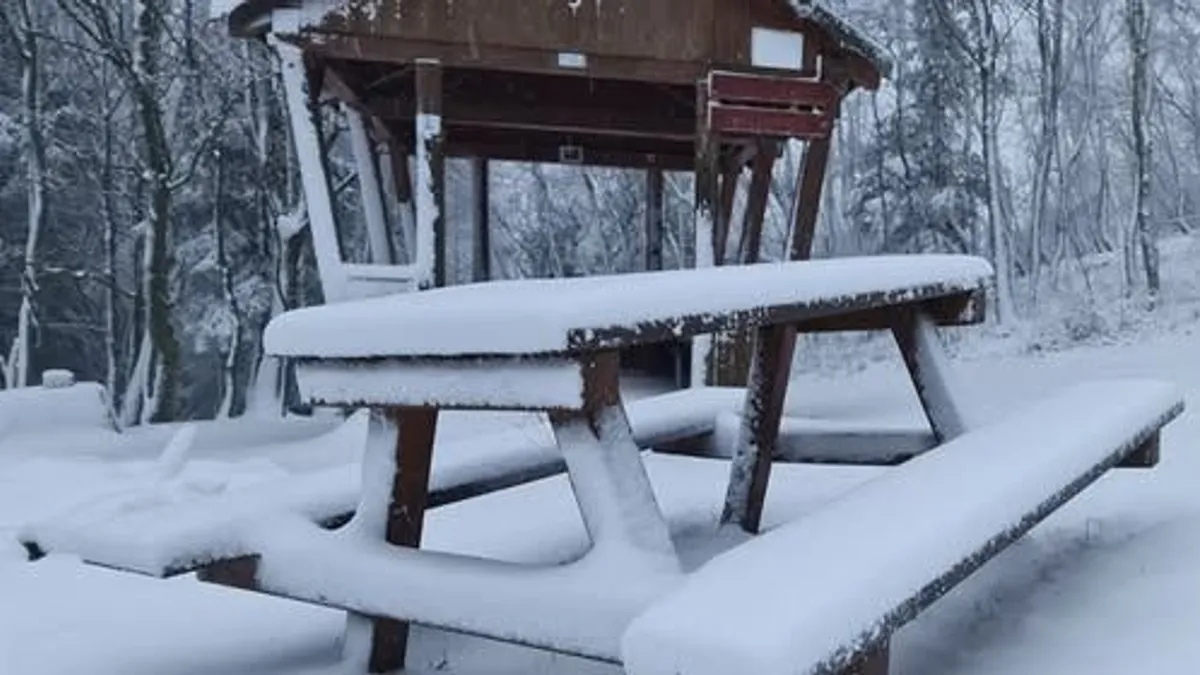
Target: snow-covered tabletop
{"points": [[560, 315]]}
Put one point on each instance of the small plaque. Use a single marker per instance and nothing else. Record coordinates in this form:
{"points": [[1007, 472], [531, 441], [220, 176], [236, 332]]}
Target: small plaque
{"points": [[572, 60]]}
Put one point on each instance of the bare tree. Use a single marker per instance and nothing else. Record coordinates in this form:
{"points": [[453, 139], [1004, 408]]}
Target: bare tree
{"points": [[1138, 23], [19, 21]]}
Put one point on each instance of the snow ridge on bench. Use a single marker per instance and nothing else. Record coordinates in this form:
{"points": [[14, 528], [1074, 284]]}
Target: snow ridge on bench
{"points": [[538, 316], [810, 596]]}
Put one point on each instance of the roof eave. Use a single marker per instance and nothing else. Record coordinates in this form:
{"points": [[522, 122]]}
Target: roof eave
{"points": [[850, 37]]}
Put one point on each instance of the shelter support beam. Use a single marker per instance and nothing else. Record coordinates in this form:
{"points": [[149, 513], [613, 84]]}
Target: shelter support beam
{"points": [[704, 219], [481, 199], [654, 219], [318, 193], [431, 175]]}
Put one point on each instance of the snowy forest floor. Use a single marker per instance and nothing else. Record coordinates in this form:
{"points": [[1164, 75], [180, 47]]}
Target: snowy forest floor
{"points": [[1108, 585]]}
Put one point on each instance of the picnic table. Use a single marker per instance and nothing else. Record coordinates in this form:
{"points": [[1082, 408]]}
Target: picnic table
{"points": [[552, 346]]}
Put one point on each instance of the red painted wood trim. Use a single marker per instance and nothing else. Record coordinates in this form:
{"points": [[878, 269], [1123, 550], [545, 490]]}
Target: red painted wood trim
{"points": [[751, 121], [726, 86]]}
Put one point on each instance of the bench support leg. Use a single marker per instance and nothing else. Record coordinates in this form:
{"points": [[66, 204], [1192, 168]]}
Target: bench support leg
{"points": [[916, 335], [607, 476], [431, 175], [770, 370], [395, 483]]}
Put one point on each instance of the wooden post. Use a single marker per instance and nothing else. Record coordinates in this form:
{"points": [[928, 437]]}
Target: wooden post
{"points": [[398, 180], [770, 370], [708, 187], [397, 463], [431, 175], [771, 367], [608, 479], [916, 335], [480, 183], [750, 248], [306, 135], [654, 219], [807, 203], [369, 188], [730, 175]]}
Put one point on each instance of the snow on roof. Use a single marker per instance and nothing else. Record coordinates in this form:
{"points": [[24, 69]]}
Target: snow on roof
{"points": [[850, 36]]}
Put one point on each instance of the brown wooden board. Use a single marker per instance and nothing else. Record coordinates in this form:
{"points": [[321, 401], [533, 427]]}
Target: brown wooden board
{"points": [[755, 88], [755, 121]]}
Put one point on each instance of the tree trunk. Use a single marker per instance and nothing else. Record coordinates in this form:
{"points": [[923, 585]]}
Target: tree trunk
{"points": [[24, 28], [1138, 21]]}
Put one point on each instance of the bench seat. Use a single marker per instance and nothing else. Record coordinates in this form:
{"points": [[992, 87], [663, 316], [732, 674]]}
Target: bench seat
{"points": [[558, 316], [820, 594], [154, 535]]}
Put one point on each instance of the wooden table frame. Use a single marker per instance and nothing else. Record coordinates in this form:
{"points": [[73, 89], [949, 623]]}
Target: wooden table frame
{"points": [[608, 479]]}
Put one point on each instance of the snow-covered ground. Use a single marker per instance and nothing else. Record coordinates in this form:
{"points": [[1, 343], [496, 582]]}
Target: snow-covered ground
{"points": [[1109, 585]]}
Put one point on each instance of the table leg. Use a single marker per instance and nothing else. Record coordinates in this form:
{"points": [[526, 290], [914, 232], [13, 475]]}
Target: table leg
{"points": [[770, 370], [925, 358], [607, 476], [395, 487]]}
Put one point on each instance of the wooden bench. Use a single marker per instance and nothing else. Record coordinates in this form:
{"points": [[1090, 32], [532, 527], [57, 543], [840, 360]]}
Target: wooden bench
{"points": [[174, 537], [825, 593], [552, 345]]}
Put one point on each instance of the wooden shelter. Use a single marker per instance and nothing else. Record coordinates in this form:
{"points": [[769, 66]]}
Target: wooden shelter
{"points": [[711, 86]]}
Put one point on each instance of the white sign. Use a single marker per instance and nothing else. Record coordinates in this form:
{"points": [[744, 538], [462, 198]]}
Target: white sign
{"points": [[771, 48]]}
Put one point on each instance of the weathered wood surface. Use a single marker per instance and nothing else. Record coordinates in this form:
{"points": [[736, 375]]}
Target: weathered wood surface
{"points": [[829, 605], [584, 315]]}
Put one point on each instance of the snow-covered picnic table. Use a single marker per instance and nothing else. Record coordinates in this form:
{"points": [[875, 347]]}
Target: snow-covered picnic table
{"points": [[552, 346]]}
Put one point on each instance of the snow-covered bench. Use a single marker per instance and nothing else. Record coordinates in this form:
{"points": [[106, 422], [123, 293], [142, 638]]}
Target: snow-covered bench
{"points": [[552, 345], [157, 534], [548, 346], [825, 593]]}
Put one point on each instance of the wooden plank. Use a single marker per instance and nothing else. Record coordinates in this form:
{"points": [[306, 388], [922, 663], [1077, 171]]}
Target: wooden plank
{"points": [[1147, 456], [511, 59], [800, 444], [374, 644], [397, 182], [807, 201], [370, 191], [405, 520], [770, 370], [824, 314], [608, 478], [916, 335], [875, 662], [306, 133], [730, 177], [430, 194], [1064, 442], [749, 88], [704, 222], [481, 199], [654, 219], [742, 120], [750, 248], [516, 383]]}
